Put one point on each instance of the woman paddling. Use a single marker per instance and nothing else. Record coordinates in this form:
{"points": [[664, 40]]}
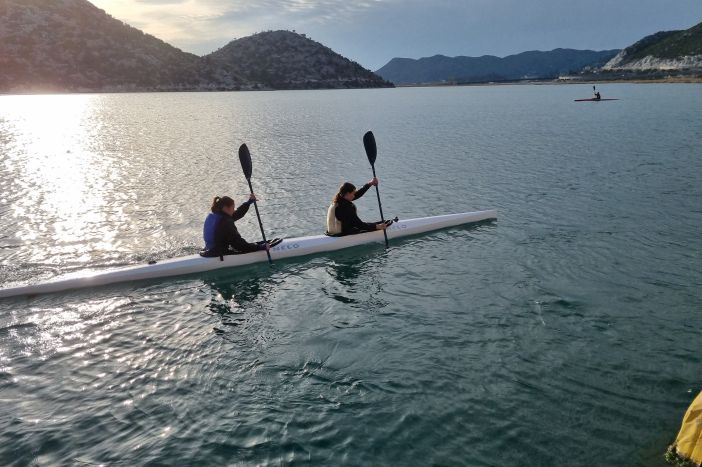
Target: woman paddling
{"points": [[597, 94], [342, 218], [220, 233]]}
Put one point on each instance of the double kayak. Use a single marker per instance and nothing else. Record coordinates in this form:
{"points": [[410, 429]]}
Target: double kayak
{"points": [[287, 248], [592, 99]]}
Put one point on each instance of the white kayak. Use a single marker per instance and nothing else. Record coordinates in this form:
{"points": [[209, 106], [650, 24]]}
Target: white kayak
{"points": [[288, 248]]}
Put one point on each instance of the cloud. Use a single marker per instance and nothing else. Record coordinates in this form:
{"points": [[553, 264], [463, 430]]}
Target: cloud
{"points": [[200, 26], [291, 11], [160, 2]]}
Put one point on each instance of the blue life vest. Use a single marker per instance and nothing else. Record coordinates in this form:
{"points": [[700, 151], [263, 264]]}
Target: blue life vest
{"points": [[208, 232]]}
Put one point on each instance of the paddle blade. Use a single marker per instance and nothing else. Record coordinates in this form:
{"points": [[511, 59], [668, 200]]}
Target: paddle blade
{"points": [[245, 159], [371, 149]]}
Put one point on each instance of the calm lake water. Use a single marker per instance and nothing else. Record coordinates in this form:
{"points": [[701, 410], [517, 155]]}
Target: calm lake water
{"points": [[566, 333]]}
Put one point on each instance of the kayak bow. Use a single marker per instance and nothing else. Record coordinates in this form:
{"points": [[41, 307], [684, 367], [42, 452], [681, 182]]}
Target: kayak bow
{"points": [[288, 248]]}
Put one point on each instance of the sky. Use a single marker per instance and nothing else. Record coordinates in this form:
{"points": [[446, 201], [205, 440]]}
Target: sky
{"points": [[372, 32]]}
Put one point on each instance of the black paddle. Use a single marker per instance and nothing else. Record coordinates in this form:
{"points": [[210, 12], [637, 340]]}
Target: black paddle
{"points": [[372, 153], [245, 159]]}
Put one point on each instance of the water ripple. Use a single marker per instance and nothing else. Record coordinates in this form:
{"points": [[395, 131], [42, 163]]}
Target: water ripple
{"points": [[565, 333]]}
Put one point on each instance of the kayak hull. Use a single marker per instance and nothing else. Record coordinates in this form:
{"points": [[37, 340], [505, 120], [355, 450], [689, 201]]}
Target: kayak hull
{"points": [[288, 248], [594, 100]]}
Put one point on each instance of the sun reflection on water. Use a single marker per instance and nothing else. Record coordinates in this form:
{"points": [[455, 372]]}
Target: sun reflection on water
{"points": [[62, 175]]}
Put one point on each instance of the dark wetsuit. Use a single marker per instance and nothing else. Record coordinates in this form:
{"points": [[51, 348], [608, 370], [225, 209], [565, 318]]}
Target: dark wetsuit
{"points": [[227, 237], [346, 213]]}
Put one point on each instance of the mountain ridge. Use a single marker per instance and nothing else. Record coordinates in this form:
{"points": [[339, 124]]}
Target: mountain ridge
{"points": [[31, 57], [463, 69], [73, 46], [287, 60], [665, 50]]}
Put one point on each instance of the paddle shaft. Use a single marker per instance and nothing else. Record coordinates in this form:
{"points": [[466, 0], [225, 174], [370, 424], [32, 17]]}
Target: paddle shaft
{"points": [[260, 224], [380, 206]]}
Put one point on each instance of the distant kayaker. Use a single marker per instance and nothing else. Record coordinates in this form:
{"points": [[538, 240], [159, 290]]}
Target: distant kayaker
{"points": [[597, 94], [220, 233], [342, 218]]}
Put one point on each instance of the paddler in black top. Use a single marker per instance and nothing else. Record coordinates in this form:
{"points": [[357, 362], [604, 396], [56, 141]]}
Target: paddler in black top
{"points": [[220, 228], [342, 218]]}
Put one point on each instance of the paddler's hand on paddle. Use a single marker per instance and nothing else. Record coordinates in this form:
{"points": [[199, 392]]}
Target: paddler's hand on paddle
{"points": [[373, 182], [381, 226], [252, 199]]}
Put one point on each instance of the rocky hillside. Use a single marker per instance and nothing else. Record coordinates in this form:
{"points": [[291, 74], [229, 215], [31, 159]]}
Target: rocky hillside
{"points": [[71, 45], [287, 60], [667, 50], [526, 65]]}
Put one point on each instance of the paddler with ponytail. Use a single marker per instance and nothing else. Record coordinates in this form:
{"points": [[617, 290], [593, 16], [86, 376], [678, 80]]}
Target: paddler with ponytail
{"points": [[342, 218], [220, 233]]}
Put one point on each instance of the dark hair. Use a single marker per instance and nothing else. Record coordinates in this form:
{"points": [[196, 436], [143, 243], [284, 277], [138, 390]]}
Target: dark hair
{"points": [[347, 187], [218, 203]]}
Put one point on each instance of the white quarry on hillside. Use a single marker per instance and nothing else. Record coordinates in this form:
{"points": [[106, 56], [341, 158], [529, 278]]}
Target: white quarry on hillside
{"points": [[620, 62]]}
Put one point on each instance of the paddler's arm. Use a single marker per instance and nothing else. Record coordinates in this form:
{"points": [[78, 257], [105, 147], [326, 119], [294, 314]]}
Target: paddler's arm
{"points": [[233, 238], [365, 188], [243, 208], [241, 211], [350, 222], [239, 244]]}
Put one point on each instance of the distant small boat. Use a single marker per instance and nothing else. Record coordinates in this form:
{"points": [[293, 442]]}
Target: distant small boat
{"points": [[592, 99], [595, 98]]}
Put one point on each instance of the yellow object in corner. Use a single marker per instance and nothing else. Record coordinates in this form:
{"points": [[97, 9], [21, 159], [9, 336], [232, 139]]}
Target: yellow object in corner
{"points": [[689, 440]]}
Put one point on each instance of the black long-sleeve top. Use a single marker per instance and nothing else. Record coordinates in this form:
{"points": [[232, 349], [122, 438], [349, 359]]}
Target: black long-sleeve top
{"points": [[346, 213], [227, 236]]}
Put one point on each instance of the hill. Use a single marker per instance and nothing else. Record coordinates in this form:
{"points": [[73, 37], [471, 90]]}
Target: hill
{"points": [[526, 65], [73, 46], [666, 50], [287, 60]]}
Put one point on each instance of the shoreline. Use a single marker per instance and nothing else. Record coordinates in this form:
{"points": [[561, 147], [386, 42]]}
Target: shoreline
{"points": [[539, 82], [526, 82]]}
